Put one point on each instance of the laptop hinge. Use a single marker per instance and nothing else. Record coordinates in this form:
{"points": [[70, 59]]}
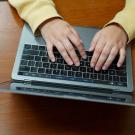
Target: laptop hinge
{"points": [[26, 81]]}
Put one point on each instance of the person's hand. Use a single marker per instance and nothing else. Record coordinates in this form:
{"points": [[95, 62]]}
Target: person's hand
{"points": [[106, 44], [60, 34]]}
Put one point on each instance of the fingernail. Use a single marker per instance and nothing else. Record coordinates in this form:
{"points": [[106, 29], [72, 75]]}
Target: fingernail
{"points": [[53, 59], [104, 68], [118, 65], [90, 49], [70, 63], [92, 65], [97, 68], [77, 63], [85, 56]]}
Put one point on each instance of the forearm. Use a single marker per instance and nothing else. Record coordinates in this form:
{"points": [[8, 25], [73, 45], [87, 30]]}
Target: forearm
{"points": [[35, 12], [126, 19]]}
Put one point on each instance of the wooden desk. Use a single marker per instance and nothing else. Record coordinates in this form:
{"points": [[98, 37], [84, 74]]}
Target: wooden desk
{"points": [[22, 114]]}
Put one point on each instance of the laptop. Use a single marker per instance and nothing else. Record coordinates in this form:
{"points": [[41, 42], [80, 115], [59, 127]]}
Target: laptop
{"points": [[33, 72]]}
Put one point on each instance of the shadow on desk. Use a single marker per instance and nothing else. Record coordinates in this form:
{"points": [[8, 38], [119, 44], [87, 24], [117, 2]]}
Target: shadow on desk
{"points": [[64, 117]]}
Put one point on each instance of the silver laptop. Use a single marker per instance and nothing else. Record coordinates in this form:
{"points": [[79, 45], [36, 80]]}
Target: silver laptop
{"points": [[32, 66]]}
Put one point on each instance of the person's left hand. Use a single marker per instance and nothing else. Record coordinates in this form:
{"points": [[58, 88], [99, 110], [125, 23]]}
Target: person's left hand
{"points": [[106, 44]]}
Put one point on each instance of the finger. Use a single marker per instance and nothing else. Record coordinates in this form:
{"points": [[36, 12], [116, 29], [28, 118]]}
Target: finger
{"points": [[75, 32], [50, 51], [70, 49], [63, 52], [110, 59], [122, 57], [97, 52], [78, 44], [103, 56], [94, 41]]}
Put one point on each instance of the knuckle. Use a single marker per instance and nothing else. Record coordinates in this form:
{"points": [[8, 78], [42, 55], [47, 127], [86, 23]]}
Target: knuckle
{"points": [[97, 52], [94, 41], [49, 49], [68, 31], [104, 54], [98, 49], [112, 54], [108, 62], [98, 64], [122, 56], [62, 49], [93, 60], [78, 43], [70, 48]]}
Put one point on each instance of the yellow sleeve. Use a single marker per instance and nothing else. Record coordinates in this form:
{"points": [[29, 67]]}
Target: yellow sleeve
{"points": [[35, 12], [126, 18]]}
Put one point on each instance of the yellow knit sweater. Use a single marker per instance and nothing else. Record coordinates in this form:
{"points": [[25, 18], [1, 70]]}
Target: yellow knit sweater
{"points": [[34, 12]]}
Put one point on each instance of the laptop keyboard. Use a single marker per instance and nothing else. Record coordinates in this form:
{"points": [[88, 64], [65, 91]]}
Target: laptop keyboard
{"points": [[35, 63]]}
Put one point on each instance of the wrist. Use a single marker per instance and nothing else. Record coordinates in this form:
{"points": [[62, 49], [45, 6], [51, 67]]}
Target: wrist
{"points": [[47, 21], [119, 26]]}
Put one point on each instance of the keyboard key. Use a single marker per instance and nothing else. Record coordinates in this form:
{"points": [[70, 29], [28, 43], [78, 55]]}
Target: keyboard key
{"points": [[31, 63], [67, 67], [110, 78], [60, 66], [75, 68], [49, 71], [42, 53], [34, 47], [38, 64], [28, 57], [70, 73], [41, 70], [33, 69], [24, 62], [123, 79], [121, 73], [90, 70], [83, 69], [61, 61], [87, 64], [20, 73], [115, 78], [104, 72], [37, 58], [45, 59], [78, 74], [111, 72], [31, 52], [53, 65], [100, 82], [81, 63], [106, 77], [97, 72], [63, 72], [85, 75], [46, 65], [41, 48], [24, 68], [56, 72], [27, 46]]}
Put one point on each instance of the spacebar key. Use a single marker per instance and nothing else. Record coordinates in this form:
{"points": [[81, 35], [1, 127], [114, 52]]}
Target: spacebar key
{"points": [[101, 82]]}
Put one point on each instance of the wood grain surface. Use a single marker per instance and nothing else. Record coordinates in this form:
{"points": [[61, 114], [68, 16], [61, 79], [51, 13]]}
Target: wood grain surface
{"points": [[31, 115]]}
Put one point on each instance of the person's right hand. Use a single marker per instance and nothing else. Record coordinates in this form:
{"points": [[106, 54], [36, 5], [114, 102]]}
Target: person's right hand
{"points": [[60, 34]]}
